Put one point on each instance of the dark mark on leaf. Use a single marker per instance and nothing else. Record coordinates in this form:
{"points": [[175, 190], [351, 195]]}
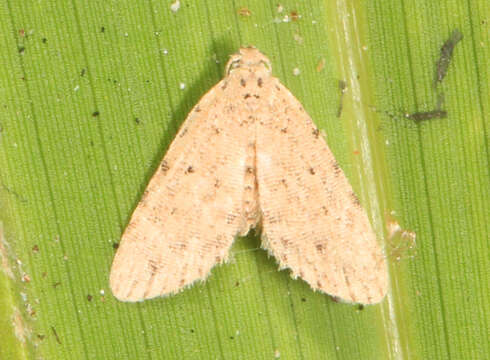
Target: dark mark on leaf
{"points": [[447, 49], [427, 115], [55, 335]]}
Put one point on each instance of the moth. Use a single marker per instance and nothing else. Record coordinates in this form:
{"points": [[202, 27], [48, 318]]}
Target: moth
{"points": [[249, 156]]}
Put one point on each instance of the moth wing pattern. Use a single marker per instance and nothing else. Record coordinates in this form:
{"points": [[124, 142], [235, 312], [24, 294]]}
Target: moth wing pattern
{"points": [[311, 220], [191, 209]]}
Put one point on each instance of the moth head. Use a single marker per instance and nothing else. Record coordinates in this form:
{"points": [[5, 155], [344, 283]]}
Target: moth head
{"points": [[248, 57]]}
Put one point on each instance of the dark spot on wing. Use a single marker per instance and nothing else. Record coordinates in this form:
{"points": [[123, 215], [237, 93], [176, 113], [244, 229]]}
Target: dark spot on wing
{"points": [[230, 218], [355, 198], [153, 266], [164, 166]]}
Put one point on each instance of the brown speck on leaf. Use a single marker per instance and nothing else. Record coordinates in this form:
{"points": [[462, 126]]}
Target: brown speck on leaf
{"points": [[312, 171], [115, 245], [35, 249], [95, 113], [295, 16], [189, 170], [22, 32], [89, 297], [244, 12], [320, 65]]}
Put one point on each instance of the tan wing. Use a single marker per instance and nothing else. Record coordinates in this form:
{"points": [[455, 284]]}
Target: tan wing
{"points": [[191, 209], [312, 221]]}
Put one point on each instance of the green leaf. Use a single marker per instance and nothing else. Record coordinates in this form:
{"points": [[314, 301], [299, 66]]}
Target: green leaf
{"points": [[93, 92]]}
